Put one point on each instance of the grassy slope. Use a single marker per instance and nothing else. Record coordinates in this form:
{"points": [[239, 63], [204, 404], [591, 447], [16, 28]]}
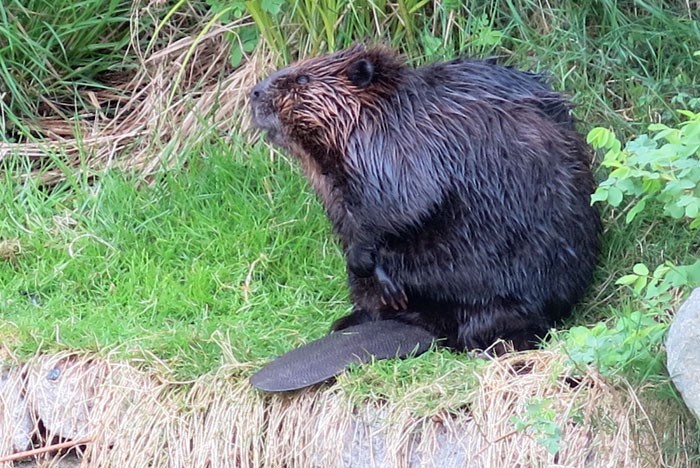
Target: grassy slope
{"points": [[234, 253], [235, 244], [235, 249]]}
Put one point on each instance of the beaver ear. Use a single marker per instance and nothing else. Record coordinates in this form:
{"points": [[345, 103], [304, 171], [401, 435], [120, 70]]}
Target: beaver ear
{"points": [[361, 73]]}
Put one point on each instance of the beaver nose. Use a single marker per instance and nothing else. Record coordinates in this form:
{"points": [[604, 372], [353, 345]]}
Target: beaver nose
{"points": [[258, 90]]}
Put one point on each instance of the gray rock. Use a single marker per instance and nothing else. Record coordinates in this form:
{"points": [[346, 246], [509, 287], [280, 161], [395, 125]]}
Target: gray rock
{"points": [[683, 349], [14, 412], [367, 443], [61, 391]]}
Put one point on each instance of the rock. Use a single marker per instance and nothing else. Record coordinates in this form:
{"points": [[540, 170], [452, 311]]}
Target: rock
{"points": [[14, 411], [368, 442], [683, 351], [62, 393]]}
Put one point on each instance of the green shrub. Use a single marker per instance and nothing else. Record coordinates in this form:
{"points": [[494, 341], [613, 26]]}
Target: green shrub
{"points": [[539, 422], [657, 173], [664, 167], [661, 169], [627, 346]]}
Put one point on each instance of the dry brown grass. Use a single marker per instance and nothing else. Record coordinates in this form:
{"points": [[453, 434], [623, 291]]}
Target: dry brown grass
{"points": [[137, 418], [179, 94]]}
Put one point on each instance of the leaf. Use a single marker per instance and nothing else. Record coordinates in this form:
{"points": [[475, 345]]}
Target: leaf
{"points": [[686, 150], [238, 9], [601, 194], [235, 55], [691, 115], [675, 211], [640, 269], [678, 276], [621, 172], [272, 6], [661, 271], [599, 137], [670, 134], [245, 41], [681, 185], [488, 37], [578, 334], [641, 144], [691, 131], [651, 186], [655, 289], [627, 279], [615, 196], [629, 185], [249, 37], [639, 284], [657, 127], [694, 273], [431, 44], [635, 210]]}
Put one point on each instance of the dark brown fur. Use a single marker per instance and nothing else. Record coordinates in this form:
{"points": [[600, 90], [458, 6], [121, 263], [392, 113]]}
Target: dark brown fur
{"points": [[464, 183]]}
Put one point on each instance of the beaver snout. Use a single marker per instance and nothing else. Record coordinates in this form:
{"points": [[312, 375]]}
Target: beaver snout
{"points": [[260, 104], [263, 115], [259, 90]]}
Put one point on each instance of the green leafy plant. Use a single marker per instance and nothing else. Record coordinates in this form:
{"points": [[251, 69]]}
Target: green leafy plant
{"points": [[539, 423], [658, 171], [630, 345], [664, 167], [655, 288], [246, 37]]}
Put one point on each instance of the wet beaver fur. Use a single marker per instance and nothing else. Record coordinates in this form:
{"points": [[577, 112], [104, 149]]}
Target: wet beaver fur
{"points": [[460, 190]]}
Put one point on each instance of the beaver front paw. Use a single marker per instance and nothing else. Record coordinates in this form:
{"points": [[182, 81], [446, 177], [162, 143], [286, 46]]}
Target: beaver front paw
{"points": [[362, 263], [393, 294], [361, 260]]}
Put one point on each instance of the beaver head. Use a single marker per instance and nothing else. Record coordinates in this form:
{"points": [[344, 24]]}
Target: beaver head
{"points": [[313, 105]]}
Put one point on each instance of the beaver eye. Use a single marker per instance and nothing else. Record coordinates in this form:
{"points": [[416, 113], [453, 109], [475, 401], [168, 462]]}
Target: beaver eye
{"points": [[302, 79]]}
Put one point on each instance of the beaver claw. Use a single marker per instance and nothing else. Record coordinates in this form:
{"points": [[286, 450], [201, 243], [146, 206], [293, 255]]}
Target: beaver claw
{"points": [[392, 294], [362, 262]]}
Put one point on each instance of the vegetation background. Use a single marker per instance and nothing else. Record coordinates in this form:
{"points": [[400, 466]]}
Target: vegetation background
{"points": [[140, 220]]}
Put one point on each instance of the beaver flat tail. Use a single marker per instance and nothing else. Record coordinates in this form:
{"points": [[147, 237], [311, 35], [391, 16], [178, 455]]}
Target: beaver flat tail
{"points": [[327, 357]]}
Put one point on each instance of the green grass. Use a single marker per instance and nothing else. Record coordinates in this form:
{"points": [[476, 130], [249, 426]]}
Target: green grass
{"points": [[49, 49], [623, 61], [233, 250], [235, 246]]}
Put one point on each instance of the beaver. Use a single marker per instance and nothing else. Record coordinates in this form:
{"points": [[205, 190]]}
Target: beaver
{"points": [[460, 190]]}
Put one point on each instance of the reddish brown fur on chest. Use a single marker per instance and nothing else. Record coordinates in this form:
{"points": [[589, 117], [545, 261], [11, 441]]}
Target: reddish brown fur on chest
{"points": [[324, 186]]}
